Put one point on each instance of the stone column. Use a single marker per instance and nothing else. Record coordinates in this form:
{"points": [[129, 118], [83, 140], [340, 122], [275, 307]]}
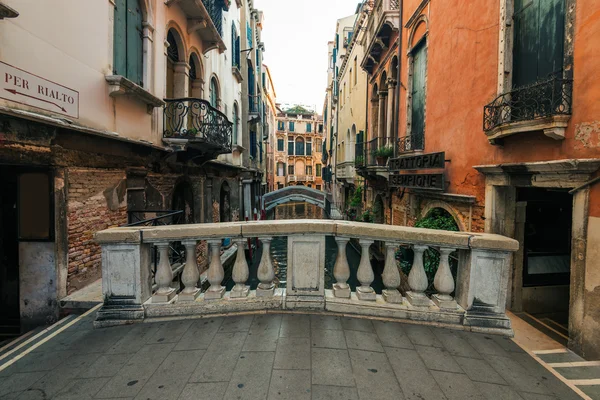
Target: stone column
{"points": [[215, 271], [190, 274], [390, 134], [391, 275], [197, 88], [266, 272], [417, 279], [164, 276], [381, 130], [240, 273], [181, 77], [208, 199], [341, 270], [365, 274], [444, 282], [248, 198]]}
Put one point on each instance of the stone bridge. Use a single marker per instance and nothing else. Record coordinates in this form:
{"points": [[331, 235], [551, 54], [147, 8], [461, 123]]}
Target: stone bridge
{"points": [[295, 193]]}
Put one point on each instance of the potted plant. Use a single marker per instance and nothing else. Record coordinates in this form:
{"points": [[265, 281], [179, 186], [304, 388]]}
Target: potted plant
{"points": [[382, 154]]}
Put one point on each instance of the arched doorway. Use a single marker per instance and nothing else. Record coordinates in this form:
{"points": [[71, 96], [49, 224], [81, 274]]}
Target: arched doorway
{"points": [[225, 203], [378, 211]]}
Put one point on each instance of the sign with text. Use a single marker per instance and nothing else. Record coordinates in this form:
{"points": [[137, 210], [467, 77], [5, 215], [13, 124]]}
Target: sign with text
{"points": [[418, 181], [29, 89], [421, 161]]}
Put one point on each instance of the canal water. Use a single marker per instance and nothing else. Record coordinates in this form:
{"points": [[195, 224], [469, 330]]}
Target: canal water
{"points": [[301, 210]]}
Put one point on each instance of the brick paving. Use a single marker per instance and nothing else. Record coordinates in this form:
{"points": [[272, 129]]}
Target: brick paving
{"points": [[275, 356]]}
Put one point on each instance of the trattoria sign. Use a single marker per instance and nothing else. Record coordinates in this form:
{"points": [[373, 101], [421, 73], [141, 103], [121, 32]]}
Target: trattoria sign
{"points": [[25, 88], [418, 181], [421, 161]]}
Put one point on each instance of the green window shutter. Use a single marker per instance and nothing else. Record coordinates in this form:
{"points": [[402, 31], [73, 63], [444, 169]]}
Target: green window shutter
{"points": [[308, 127], [284, 169], [120, 36], [418, 91], [538, 48], [134, 42]]}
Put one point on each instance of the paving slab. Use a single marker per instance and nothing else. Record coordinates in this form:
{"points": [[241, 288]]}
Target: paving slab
{"points": [[328, 338], [199, 335], [516, 375], [210, 390], [479, 370], [358, 324], [239, 323], [455, 344], [81, 389], [295, 326], [251, 376], [320, 392], [331, 367], [325, 322], [374, 376], [292, 353], [391, 334], [457, 386], [493, 391], [421, 335], [438, 359], [290, 385], [363, 341], [220, 358], [568, 356]]}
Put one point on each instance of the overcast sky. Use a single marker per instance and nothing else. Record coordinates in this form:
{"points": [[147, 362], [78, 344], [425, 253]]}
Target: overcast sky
{"points": [[295, 34]]}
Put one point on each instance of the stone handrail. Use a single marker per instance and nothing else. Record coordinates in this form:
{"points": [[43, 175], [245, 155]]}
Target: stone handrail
{"points": [[479, 291]]}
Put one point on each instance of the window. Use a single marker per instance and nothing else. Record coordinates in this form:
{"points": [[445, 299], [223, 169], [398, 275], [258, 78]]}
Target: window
{"points": [[320, 128], [318, 170], [308, 147], [128, 46], [418, 92], [309, 170], [280, 126], [318, 187], [280, 169], [291, 147], [290, 170], [539, 31], [291, 126], [235, 47], [279, 185], [280, 145], [34, 211], [214, 93], [299, 146], [308, 127], [253, 144], [235, 123], [318, 145]]}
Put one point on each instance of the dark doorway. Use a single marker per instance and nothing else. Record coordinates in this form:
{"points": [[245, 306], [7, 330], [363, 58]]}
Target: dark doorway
{"points": [[9, 254], [225, 203], [546, 237], [183, 200]]}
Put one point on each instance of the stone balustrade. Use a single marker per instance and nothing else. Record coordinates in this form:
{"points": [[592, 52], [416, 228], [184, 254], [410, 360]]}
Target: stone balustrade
{"points": [[475, 301]]}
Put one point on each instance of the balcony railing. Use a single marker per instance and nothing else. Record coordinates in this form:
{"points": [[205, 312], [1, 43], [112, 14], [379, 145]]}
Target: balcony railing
{"points": [[546, 98], [410, 143], [215, 10], [345, 170], [300, 178], [473, 298], [196, 120]]}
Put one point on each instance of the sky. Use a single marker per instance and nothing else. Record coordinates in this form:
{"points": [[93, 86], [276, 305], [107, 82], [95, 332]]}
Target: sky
{"points": [[295, 34]]}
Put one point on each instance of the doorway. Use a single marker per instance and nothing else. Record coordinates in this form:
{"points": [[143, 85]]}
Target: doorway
{"points": [[544, 227]]}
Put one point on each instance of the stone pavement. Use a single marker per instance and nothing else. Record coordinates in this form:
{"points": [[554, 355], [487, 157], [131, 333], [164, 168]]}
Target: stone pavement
{"points": [[276, 356]]}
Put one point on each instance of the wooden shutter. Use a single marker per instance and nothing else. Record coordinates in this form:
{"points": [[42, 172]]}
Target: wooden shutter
{"points": [[134, 42], [538, 46], [418, 90], [120, 38]]}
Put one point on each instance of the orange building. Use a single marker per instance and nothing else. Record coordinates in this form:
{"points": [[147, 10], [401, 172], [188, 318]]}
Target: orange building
{"points": [[509, 92]]}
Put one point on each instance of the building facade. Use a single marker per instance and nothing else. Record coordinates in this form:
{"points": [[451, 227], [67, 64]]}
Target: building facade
{"points": [[298, 149], [508, 99], [144, 110]]}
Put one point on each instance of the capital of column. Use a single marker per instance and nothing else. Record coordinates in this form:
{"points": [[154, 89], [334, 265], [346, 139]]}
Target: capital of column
{"points": [[382, 93]]}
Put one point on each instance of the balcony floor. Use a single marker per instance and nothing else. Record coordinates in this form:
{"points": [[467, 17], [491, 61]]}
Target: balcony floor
{"points": [[274, 356]]}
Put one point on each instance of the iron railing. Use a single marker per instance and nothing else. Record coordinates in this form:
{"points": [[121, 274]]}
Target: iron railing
{"points": [[159, 217], [359, 155], [254, 104], [545, 98], [215, 10], [410, 143], [190, 118]]}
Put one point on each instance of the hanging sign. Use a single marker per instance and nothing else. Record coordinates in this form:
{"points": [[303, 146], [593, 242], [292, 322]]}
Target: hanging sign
{"points": [[418, 181], [25, 88], [421, 161]]}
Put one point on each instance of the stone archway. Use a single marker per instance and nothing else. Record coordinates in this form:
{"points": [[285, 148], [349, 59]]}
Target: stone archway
{"points": [[448, 208]]}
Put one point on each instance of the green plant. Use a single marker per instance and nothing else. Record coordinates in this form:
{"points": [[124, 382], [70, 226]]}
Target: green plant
{"points": [[360, 160], [367, 215], [192, 131], [356, 199], [385, 152]]}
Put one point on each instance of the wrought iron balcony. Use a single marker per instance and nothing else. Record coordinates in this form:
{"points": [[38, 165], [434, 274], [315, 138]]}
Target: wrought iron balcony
{"points": [[408, 144], [195, 120], [545, 99]]}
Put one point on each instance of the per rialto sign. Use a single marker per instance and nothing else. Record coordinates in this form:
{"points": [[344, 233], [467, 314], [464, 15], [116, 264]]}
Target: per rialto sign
{"points": [[25, 88]]}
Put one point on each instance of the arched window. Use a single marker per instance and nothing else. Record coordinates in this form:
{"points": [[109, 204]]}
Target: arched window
{"points": [[299, 146], [214, 93], [128, 46], [196, 77], [235, 123], [174, 55]]}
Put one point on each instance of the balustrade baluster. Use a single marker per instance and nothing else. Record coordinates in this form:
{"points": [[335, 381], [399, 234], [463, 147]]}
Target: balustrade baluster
{"points": [[266, 272], [417, 280], [365, 274], [391, 275], [215, 271], [164, 276], [444, 282], [341, 270], [240, 273], [190, 274]]}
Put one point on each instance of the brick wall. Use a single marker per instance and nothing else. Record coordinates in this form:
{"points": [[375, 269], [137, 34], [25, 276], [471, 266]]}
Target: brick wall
{"points": [[96, 200]]}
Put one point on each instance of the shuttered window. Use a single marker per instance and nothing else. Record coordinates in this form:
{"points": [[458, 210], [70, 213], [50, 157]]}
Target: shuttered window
{"points": [[308, 148], [290, 147], [299, 147], [309, 127], [318, 168], [128, 47], [539, 34], [253, 144], [291, 126], [418, 91], [280, 145]]}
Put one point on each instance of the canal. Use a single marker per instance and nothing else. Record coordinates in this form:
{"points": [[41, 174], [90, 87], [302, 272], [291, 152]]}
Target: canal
{"points": [[301, 210]]}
